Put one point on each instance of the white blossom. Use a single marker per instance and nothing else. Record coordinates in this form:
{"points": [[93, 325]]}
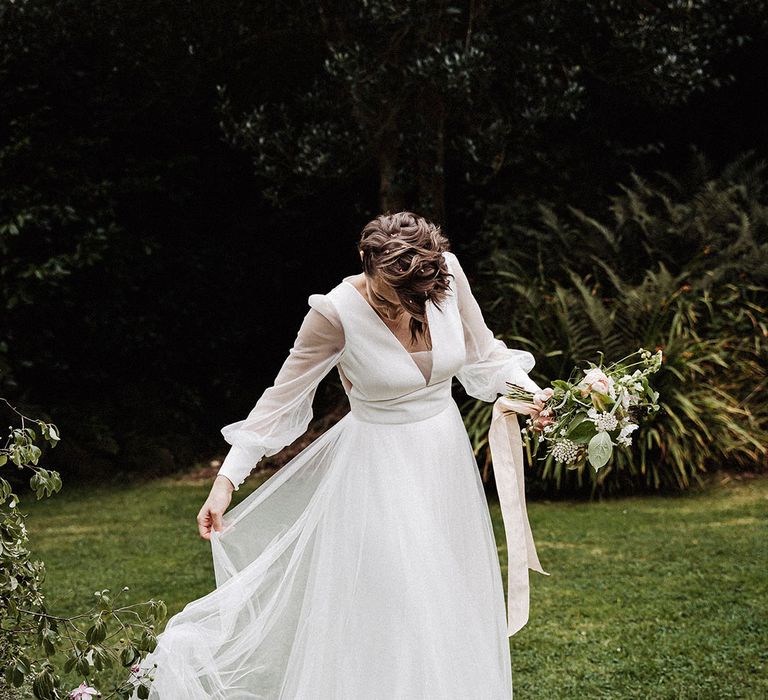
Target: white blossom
{"points": [[625, 437], [624, 399], [565, 450], [603, 421]]}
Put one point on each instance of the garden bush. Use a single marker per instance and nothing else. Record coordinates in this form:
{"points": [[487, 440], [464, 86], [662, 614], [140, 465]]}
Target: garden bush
{"points": [[675, 264]]}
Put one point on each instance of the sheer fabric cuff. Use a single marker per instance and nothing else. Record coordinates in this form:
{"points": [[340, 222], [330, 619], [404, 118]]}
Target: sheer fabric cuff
{"points": [[284, 410], [486, 379], [490, 364], [516, 372], [238, 464]]}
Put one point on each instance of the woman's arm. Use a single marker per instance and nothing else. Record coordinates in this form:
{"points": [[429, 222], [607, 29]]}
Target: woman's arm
{"points": [[284, 411], [489, 364]]}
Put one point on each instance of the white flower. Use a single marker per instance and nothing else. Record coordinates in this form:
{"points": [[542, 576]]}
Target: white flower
{"points": [[84, 692], [625, 437], [565, 450], [628, 428], [602, 421], [597, 380]]}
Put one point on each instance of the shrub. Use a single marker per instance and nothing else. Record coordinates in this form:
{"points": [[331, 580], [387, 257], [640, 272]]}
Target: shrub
{"points": [[681, 267]]}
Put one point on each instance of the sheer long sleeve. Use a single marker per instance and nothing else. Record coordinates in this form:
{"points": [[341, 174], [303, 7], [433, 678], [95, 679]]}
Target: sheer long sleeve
{"points": [[489, 364], [284, 411]]}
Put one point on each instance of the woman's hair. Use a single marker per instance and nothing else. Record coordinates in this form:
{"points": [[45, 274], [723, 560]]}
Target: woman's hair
{"points": [[405, 251]]}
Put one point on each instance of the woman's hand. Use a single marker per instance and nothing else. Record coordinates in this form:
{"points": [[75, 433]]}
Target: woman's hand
{"points": [[209, 517], [541, 416]]}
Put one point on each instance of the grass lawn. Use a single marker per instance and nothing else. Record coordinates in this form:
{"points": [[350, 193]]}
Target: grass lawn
{"points": [[660, 597]]}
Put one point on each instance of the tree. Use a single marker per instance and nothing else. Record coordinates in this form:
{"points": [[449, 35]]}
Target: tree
{"points": [[412, 89]]}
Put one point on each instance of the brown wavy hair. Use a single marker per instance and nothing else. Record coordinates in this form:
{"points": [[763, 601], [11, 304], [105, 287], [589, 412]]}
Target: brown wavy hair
{"points": [[405, 251]]}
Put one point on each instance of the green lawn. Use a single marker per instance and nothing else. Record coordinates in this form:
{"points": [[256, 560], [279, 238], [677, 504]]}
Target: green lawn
{"points": [[647, 598]]}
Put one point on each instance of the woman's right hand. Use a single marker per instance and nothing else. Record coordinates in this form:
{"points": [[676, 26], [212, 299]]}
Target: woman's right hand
{"points": [[209, 517]]}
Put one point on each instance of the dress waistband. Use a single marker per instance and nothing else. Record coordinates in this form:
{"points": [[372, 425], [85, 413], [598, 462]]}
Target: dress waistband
{"points": [[417, 406]]}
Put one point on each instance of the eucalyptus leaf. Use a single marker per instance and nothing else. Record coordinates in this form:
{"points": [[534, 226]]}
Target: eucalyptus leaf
{"points": [[599, 450]]}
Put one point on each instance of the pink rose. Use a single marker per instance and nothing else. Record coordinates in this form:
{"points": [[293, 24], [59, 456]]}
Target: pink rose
{"points": [[542, 419], [596, 380], [541, 397], [84, 692]]}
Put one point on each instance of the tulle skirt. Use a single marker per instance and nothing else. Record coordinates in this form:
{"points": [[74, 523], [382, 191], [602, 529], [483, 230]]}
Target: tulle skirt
{"points": [[365, 569]]}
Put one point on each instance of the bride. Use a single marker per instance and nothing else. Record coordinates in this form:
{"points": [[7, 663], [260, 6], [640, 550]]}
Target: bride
{"points": [[366, 567]]}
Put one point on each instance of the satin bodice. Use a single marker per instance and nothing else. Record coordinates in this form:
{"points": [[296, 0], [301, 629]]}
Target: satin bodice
{"points": [[384, 382]]}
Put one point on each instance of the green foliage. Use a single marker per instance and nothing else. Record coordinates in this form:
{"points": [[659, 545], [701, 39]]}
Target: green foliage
{"points": [[131, 233], [32, 639], [412, 87], [681, 267]]}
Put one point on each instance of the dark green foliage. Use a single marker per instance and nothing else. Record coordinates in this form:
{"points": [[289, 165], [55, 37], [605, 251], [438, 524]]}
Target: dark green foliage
{"points": [[681, 267], [149, 288], [411, 88]]}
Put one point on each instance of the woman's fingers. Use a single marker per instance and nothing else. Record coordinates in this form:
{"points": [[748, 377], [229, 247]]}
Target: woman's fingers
{"points": [[210, 516], [203, 523], [208, 520]]}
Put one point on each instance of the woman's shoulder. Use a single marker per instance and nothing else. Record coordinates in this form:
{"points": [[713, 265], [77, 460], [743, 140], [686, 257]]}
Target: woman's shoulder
{"points": [[357, 281], [332, 303], [450, 258]]}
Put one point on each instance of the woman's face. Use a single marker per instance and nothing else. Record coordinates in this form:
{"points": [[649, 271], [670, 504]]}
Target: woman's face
{"points": [[382, 295], [382, 290]]}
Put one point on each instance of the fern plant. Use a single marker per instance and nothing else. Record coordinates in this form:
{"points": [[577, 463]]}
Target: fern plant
{"points": [[681, 266]]}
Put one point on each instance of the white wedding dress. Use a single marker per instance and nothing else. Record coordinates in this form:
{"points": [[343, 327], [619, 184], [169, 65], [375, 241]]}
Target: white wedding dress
{"points": [[366, 568]]}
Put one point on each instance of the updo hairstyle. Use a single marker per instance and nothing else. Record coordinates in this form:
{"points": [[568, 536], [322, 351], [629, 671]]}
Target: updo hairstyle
{"points": [[405, 251]]}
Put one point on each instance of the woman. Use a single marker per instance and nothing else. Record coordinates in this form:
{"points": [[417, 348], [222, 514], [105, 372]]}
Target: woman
{"points": [[365, 568]]}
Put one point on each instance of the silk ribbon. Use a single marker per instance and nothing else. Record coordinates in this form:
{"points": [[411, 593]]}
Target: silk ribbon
{"points": [[506, 446]]}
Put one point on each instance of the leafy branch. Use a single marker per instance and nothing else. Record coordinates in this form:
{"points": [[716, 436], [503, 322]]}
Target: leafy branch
{"points": [[37, 646]]}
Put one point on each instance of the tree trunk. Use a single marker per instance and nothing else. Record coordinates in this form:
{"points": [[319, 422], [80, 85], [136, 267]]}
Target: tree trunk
{"points": [[390, 192], [431, 158]]}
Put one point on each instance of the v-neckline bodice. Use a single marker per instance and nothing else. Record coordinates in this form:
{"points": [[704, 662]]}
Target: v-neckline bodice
{"points": [[395, 339]]}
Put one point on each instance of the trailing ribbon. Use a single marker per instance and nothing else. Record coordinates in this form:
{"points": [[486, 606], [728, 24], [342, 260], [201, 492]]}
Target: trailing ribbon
{"points": [[506, 446]]}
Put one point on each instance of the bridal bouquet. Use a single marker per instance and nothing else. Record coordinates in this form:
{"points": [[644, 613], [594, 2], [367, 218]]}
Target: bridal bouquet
{"points": [[585, 417]]}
